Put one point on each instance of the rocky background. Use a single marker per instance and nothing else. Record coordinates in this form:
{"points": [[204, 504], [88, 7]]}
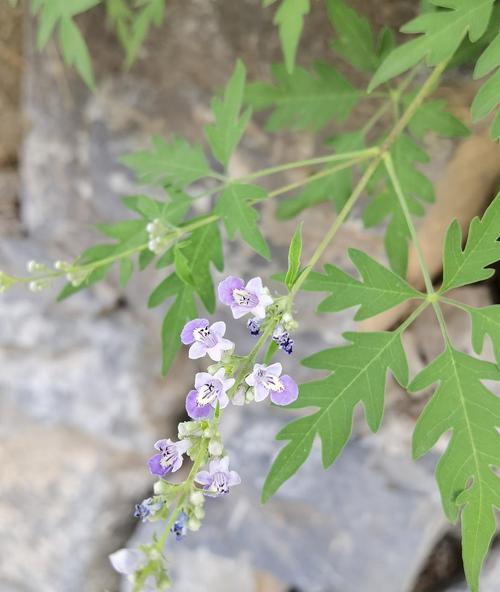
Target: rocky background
{"points": [[81, 396]]}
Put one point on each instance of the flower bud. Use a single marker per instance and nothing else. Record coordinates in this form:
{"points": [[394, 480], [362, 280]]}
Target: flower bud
{"points": [[194, 524], [215, 447], [197, 498]]}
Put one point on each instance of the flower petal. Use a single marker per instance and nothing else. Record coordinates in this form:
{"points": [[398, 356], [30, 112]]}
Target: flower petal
{"points": [[219, 328], [250, 379], [223, 400], [287, 396], [261, 392], [194, 410], [155, 467], [197, 350], [203, 478], [275, 369], [226, 288], [254, 285], [239, 311], [187, 333], [201, 378], [234, 479], [126, 561]]}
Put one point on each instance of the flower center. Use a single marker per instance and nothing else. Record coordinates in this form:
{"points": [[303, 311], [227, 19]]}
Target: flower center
{"points": [[168, 456], [207, 393], [273, 383], [245, 298], [205, 336], [220, 483]]}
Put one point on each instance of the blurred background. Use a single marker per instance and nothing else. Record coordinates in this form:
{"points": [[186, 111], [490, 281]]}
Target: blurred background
{"points": [[81, 396]]}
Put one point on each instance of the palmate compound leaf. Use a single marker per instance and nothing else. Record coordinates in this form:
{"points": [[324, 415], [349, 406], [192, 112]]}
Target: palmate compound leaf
{"points": [[379, 290], [470, 264], [303, 99], [442, 32], [176, 163], [290, 19], [464, 406], [358, 375], [225, 134]]}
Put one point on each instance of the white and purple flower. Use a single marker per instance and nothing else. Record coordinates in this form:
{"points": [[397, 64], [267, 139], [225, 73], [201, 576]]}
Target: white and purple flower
{"points": [[218, 479], [250, 298], [267, 380], [209, 389], [206, 339], [170, 457]]}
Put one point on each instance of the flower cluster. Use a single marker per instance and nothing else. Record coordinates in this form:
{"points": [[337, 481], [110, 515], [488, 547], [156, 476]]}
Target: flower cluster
{"points": [[232, 378]]}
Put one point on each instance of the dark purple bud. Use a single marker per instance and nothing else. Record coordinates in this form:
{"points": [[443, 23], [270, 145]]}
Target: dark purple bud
{"points": [[253, 326]]}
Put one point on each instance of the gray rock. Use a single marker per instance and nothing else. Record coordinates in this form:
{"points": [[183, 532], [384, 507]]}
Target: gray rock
{"points": [[324, 530], [63, 496]]}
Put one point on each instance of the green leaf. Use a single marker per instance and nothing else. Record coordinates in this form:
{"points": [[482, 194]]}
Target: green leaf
{"points": [[182, 268], [495, 127], [239, 216], [485, 321], [272, 348], [336, 187], [397, 233], [290, 19], [470, 265], [203, 247], [126, 270], [75, 51], [122, 231], [441, 31], [176, 163], [379, 290], [487, 98], [354, 40], [182, 310], [464, 474], [170, 286], [304, 100], [489, 59], [151, 13], [225, 134], [433, 116], [358, 375], [294, 254]]}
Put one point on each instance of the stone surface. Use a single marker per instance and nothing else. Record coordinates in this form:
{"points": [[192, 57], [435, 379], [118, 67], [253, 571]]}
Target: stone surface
{"points": [[324, 530], [63, 496]]}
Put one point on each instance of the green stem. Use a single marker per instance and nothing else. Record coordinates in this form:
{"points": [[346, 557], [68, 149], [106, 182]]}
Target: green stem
{"points": [[414, 315], [365, 153], [389, 165]]}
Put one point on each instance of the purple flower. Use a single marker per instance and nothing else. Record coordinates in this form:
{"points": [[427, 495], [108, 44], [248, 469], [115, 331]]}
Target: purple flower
{"points": [[268, 380], [205, 339], [209, 390], [218, 479], [147, 508], [170, 458], [253, 297], [179, 527]]}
